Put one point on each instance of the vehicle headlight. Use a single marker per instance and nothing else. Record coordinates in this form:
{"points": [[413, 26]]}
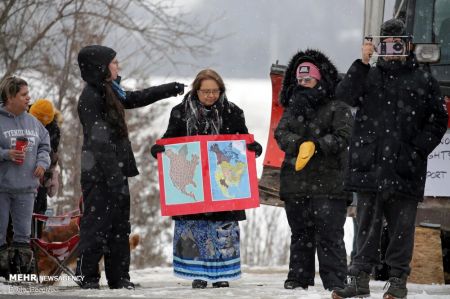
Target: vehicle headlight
{"points": [[427, 53]]}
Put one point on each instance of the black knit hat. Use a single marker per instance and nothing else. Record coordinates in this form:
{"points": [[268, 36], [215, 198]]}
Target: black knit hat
{"points": [[93, 62], [393, 27]]}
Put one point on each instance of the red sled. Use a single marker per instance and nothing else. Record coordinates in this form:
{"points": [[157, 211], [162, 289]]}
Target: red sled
{"points": [[207, 173]]}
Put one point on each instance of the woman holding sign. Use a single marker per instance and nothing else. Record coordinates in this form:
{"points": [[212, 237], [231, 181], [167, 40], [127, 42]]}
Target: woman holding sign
{"points": [[314, 133], [24, 157], [206, 246]]}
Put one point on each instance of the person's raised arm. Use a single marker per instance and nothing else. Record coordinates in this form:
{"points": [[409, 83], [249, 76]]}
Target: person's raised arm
{"points": [[147, 96]]}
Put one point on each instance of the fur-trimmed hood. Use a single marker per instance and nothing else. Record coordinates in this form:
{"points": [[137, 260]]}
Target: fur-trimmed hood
{"points": [[327, 69]]}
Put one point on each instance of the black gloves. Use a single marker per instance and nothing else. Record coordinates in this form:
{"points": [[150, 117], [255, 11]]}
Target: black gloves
{"points": [[157, 148], [179, 87], [255, 147]]}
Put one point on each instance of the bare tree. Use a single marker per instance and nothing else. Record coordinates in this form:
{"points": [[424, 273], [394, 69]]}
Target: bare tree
{"points": [[40, 39]]}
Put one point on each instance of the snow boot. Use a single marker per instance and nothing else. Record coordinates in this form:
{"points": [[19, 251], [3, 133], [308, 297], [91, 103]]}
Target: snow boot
{"points": [[4, 262], [221, 284], [199, 284], [357, 286], [90, 285], [122, 284], [291, 284], [21, 258], [397, 288]]}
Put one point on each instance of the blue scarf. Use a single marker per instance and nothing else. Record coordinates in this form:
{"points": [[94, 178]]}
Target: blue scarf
{"points": [[120, 92]]}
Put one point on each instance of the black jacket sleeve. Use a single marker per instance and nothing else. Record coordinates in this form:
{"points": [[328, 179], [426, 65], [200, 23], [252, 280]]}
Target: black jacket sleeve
{"points": [[144, 97], [351, 89], [240, 121], [98, 132], [177, 125], [339, 138], [287, 139], [435, 123]]}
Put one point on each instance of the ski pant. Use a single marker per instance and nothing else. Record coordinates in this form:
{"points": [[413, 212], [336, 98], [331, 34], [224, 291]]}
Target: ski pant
{"points": [[104, 232], [20, 206], [400, 215], [317, 223]]}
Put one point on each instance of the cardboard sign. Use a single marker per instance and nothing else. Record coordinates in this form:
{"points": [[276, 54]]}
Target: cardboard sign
{"points": [[207, 173], [438, 170]]}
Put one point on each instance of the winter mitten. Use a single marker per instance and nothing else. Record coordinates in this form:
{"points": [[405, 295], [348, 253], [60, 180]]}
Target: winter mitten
{"points": [[179, 87], [157, 148], [255, 147], [306, 151]]}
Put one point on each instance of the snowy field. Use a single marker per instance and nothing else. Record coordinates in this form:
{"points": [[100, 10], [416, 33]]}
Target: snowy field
{"points": [[256, 282]]}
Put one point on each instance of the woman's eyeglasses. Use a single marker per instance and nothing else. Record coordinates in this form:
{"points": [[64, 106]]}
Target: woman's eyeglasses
{"points": [[304, 80], [206, 92]]}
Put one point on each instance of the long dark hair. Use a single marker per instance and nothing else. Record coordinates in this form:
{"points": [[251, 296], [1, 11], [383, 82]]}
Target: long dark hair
{"points": [[114, 110]]}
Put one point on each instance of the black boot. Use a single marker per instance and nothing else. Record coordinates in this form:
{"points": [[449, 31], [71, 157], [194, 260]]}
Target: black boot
{"points": [[89, 285], [21, 258], [291, 284], [122, 284], [397, 288], [221, 284], [4, 262], [199, 284], [356, 286]]}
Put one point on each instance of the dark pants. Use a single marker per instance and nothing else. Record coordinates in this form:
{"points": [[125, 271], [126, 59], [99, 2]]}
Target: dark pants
{"points": [[317, 223], [400, 216], [104, 231], [40, 206], [40, 202]]}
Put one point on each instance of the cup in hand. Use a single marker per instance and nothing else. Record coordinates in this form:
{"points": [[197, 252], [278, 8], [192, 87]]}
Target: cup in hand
{"points": [[21, 145]]}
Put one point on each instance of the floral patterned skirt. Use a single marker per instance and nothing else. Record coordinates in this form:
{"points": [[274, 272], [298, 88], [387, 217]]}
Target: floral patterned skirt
{"points": [[207, 250]]}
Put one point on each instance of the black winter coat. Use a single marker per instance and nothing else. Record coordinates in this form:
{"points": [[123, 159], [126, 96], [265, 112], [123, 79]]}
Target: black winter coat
{"points": [[107, 157], [401, 118], [233, 122], [328, 125]]}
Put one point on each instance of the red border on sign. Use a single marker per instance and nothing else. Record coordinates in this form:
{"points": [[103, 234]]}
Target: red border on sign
{"points": [[209, 205]]}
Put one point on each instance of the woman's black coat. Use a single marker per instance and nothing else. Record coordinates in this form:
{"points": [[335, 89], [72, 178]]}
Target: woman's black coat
{"points": [[328, 125], [107, 157], [401, 118], [233, 122]]}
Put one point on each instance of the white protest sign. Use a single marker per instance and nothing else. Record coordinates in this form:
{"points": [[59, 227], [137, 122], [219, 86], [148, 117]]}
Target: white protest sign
{"points": [[438, 171]]}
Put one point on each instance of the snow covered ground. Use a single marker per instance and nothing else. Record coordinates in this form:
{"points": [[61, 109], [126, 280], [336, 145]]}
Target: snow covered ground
{"points": [[256, 282]]}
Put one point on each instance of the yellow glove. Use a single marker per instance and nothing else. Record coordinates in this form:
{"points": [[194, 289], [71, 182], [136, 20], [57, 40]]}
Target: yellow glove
{"points": [[305, 153]]}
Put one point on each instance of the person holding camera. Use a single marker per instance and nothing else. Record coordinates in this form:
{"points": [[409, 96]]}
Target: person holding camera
{"points": [[314, 133], [206, 246], [24, 157], [400, 119], [107, 160]]}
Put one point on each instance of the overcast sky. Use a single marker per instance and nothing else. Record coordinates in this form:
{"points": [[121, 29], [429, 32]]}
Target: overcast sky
{"points": [[263, 31]]}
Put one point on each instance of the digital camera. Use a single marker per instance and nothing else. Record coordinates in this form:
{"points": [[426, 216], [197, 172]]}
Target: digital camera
{"points": [[391, 49], [397, 48]]}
